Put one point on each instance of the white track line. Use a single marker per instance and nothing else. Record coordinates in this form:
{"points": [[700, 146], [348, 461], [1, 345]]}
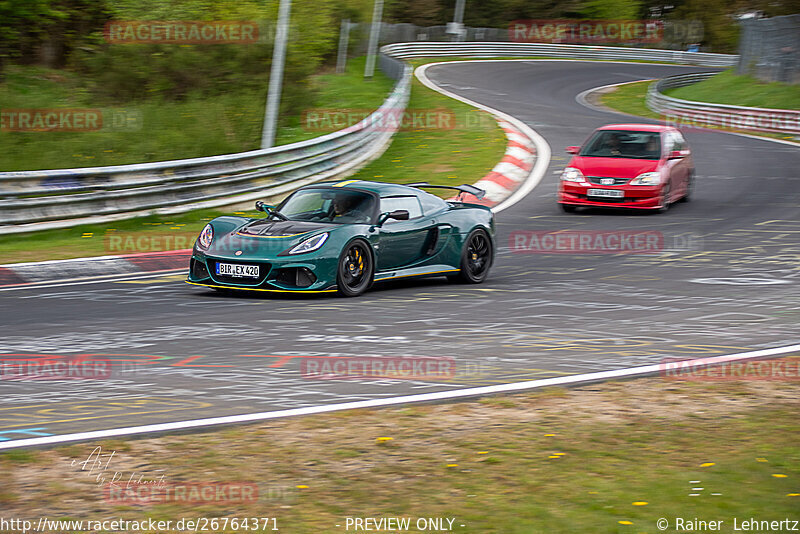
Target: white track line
{"points": [[572, 380], [543, 154], [542, 148], [531, 181], [98, 280]]}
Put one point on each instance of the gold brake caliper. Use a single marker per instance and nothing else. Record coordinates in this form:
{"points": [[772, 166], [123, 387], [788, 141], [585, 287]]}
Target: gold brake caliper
{"points": [[352, 266]]}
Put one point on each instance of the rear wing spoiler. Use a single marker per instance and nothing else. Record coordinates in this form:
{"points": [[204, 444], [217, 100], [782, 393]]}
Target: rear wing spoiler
{"points": [[464, 188]]}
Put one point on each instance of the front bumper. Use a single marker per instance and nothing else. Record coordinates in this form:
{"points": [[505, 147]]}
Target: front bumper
{"points": [[282, 274], [637, 197]]}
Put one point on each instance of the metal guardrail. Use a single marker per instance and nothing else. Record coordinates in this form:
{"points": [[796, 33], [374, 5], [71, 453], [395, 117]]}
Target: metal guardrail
{"points": [[704, 114], [503, 49], [34, 200], [29, 199]]}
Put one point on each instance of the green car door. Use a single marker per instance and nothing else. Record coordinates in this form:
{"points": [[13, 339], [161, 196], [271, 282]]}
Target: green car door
{"points": [[403, 242]]}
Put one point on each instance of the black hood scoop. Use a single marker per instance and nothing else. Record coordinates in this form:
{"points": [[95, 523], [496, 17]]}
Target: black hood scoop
{"points": [[270, 228]]}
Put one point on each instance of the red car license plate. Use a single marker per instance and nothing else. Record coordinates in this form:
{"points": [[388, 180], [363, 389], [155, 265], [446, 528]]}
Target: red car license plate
{"points": [[612, 193]]}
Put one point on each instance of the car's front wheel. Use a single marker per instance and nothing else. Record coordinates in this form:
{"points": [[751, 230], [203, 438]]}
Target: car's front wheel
{"points": [[665, 200], [476, 258], [689, 188], [356, 269]]}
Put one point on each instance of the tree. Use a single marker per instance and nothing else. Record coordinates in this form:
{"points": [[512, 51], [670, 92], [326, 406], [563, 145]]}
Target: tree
{"points": [[419, 12], [611, 9], [20, 27]]}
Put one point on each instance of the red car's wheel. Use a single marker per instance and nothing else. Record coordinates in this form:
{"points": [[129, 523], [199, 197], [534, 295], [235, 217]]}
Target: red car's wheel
{"points": [[665, 203], [568, 208], [689, 189]]}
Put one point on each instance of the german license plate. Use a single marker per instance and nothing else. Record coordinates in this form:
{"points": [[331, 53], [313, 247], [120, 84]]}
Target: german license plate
{"points": [[238, 270], [612, 193]]}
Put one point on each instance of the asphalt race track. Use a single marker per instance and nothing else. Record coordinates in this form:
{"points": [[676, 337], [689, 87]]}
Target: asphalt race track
{"points": [[726, 281]]}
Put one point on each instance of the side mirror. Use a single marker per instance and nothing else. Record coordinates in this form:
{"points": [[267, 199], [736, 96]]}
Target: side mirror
{"points": [[573, 149], [261, 206], [678, 154], [400, 215]]}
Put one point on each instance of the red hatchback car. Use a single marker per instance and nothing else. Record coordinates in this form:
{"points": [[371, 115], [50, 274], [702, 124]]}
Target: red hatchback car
{"points": [[641, 166]]}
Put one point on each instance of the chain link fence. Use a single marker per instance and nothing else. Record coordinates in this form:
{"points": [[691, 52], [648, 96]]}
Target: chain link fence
{"points": [[769, 49]]}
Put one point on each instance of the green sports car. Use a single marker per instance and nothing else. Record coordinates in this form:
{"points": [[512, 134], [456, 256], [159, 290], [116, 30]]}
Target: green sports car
{"points": [[343, 236]]}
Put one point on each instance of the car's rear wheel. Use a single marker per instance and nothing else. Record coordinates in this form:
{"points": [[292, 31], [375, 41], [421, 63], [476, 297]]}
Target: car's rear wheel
{"points": [[568, 208], [356, 269], [476, 258]]}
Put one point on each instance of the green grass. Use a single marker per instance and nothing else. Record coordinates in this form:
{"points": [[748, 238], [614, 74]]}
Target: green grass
{"points": [[630, 98], [19, 456], [462, 154], [154, 233], [196, 127], [730, 88], [542, 463]]}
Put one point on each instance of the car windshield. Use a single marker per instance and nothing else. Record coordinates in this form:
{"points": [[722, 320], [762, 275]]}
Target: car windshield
{"points": [[329, 205], [623, 144]]}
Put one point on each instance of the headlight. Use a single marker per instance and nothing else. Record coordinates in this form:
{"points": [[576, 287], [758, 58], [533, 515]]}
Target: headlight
{"points": [[647, 178], [206, 236], [571, 174], [312, 243]]}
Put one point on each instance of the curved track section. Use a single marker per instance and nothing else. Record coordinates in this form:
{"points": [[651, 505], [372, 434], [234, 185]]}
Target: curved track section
{"points": [[726, 281]]}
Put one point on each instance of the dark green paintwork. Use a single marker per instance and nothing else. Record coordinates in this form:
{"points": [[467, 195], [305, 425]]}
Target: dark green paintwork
{"points": [[400, 248]]}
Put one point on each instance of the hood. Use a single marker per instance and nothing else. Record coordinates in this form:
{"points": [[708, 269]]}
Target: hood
{"points": [[613, 167], [271, 228], [262, 238]]}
